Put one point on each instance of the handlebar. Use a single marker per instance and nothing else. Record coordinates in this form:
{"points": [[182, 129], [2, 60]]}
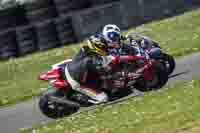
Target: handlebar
{"points": [[154, 43]]}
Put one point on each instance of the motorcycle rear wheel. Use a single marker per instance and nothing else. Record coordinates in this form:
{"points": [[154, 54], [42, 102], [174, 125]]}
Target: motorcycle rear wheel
{"points": [[52, 109]]}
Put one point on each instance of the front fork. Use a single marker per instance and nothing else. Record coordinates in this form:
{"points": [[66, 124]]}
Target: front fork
{"points": [[148, 71]]}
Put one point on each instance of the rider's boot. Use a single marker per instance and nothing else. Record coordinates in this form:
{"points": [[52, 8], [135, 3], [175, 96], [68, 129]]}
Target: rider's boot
{"points": [[96, 97]]}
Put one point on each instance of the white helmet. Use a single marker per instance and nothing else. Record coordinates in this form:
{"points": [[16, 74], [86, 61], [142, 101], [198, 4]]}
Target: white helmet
{"points": [[111, 33], [111, 26]]}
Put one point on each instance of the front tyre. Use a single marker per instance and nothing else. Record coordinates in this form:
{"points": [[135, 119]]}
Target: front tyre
{"points": [[169, 62], [159, 78]]}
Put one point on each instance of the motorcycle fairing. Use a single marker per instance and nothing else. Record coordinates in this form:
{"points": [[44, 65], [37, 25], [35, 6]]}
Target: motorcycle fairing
{"points": [[52, 74], [59, 83]]}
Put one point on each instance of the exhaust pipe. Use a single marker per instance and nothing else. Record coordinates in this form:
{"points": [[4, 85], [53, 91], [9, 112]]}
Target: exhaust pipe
{"points": [[64, 101]]}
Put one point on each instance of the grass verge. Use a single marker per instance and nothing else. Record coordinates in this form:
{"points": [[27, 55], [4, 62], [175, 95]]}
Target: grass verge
{"points": [[179, 35], [174, 109]]}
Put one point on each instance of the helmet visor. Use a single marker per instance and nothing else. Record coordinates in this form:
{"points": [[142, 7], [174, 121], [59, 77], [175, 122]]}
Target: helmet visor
{"points": [[114, 37]]}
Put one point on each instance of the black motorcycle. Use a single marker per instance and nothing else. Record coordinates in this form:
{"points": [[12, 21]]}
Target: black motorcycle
{"points": [[155, 51]]}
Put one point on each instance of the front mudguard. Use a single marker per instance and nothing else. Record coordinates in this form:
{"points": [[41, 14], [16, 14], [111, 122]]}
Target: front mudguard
{"points": [[164, 58], [155, 53]]}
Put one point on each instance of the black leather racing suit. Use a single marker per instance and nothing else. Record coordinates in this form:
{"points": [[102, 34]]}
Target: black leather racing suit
{"points": [[85, 62]]}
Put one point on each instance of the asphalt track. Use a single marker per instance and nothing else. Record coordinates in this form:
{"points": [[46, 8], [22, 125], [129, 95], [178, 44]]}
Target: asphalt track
{"points": [[26, 114]]}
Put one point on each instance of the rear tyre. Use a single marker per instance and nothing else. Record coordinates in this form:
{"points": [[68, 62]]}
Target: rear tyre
{"points": [[52, 109], [159, 79]]}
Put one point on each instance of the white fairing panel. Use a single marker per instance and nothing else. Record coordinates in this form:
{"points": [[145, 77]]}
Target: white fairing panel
{"points": [[61, 63]]}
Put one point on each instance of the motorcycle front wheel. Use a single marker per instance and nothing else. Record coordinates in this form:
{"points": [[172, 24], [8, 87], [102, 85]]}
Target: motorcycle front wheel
{"points": [[169, 62], [159, 78]]}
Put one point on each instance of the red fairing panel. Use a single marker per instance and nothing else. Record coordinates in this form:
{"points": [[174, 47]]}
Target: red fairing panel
{"points": [[52, 74], [60, 83], [131, 58], [114, 59]]}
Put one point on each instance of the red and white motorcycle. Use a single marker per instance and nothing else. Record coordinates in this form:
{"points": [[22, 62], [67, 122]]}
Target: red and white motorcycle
{"points": [[136, 72]]}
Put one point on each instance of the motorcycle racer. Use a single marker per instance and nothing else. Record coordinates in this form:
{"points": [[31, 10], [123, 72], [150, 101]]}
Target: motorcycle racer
{"points": [[123, 41], [92, 57], [130, 45]]}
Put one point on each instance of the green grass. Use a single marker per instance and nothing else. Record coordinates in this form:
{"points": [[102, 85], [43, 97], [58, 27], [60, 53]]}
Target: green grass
{"points": [[174, 109], [18, 78], [178, 35]]}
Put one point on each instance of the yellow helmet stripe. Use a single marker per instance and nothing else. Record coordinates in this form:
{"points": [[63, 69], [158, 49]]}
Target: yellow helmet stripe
{"points": [[96, 49]]}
